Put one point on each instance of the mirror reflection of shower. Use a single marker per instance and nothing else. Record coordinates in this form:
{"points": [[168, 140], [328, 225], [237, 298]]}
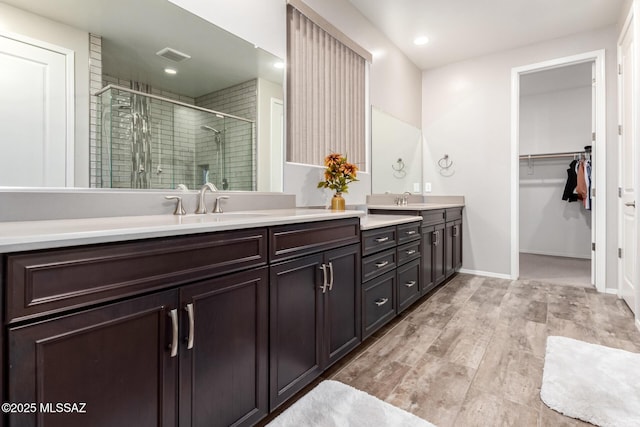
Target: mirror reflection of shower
{"points": [[218, 177], [148, 141]]}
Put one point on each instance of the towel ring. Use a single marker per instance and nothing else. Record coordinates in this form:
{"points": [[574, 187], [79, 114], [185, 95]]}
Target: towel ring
{"points": [[400, 166], [445, 163]]}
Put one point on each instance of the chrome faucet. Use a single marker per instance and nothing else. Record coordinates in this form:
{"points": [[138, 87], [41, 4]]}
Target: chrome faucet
{"points": [[403, 199], [202, 208], [218, 206]]}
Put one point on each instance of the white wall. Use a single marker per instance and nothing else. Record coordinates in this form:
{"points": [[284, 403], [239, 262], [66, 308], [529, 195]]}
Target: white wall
{"points": [[394, 80], [17, 21], [466, 114]]}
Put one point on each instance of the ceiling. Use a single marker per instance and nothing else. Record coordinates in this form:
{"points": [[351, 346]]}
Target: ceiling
{"points": [[133, 31], [462, 29]]}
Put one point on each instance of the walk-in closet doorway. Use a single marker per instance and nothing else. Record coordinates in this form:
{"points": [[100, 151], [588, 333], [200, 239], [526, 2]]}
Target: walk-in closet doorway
{"points": [[558, 160]]}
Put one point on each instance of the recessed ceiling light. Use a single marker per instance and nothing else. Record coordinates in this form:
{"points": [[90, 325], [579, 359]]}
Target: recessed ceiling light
{"points": [[171, 71], [279, 64], [422, 40]]}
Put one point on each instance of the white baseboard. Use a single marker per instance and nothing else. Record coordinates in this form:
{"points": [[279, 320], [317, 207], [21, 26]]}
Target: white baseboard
{"points": [[486, 274], [581, 256], [612, 291]]}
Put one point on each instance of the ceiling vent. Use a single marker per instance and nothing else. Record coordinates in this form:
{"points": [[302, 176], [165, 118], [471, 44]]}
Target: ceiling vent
{"points": [[173, 55]]}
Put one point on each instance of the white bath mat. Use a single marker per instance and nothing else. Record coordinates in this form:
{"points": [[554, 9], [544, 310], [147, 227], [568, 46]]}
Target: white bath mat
{"points": [[593, 383], [333, 404]]}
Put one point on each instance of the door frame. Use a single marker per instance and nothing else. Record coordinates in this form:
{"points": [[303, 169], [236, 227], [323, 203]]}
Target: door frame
{"points": [[69, 97], [629, 25], [599, 153]]}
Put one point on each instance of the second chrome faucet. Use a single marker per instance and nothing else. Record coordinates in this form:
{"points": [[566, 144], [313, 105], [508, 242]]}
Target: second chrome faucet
{"points": [[202, 208]]}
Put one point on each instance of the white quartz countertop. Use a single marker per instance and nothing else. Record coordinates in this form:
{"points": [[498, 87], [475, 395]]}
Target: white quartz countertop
{"points": [[31, 235], [417, 206], [372, 221]]}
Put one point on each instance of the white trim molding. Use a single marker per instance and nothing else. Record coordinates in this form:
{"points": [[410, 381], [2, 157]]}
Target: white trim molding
{"points": [[599, 152], [485, 274]]}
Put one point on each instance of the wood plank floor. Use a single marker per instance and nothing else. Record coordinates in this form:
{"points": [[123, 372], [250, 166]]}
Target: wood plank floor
{"points": [[472, 353]]}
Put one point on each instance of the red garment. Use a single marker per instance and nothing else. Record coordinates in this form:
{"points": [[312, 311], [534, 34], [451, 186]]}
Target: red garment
{"points": [[581, 189]]}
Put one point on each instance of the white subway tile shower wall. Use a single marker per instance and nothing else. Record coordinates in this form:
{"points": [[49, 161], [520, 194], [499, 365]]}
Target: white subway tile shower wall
{"points": [[95, 111]]}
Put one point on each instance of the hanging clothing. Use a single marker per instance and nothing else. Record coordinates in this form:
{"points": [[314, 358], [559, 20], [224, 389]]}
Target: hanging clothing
{"points": [[572, 182], [582, 188], [587, 178]]}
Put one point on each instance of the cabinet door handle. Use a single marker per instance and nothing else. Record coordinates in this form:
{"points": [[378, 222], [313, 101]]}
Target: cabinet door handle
{"points": [[323, 267], [174, 332], [380, 302], [410, 233], [381, 264], [436, 238], [189, 309], [410, 284], [330, 275], [410, 252], [382, 239], [455, 231]]}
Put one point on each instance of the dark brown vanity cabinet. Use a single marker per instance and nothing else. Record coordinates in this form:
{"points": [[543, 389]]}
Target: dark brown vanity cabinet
{"points": [[194, 354], [314, 302], [390, 273], [453, 235]]}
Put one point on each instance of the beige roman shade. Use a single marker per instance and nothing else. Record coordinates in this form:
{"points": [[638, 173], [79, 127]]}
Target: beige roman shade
{"points": [[326, 90]]}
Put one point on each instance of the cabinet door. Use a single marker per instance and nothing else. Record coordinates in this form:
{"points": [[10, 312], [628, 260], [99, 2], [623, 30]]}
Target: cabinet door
{"points": [[295, 336], [449, 249], [342, 303], [224, 364], [439, 254], [116, 359], [457, 245], [428, 242]]}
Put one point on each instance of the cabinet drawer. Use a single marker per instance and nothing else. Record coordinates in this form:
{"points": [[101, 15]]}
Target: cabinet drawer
{"points": [[290, 241], [377, 240], [408, 284], [378, 303], [51, 281], [409, 252], [453, 214], [408, 232], [375, 265], [432, 217]]}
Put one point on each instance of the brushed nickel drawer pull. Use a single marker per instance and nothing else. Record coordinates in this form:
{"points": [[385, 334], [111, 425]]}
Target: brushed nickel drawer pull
{"points": [[381, 264], [189, 309], [410, 233], [380, 302], [455, 231], [382, 239], [174, 332], [330, 275], [410, 252], [410, 284], [325, 283]]}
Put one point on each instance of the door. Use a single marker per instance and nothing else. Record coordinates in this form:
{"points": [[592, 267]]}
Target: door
{"points": [[342, 303], [116, 359], [439, 258], [428, 240], [628, 221], [449, 247], [224, 350], [295, 325], [35, 82]]}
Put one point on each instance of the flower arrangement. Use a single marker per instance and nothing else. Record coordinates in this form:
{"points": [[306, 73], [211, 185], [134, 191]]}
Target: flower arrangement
{"points": [[338, 174]]}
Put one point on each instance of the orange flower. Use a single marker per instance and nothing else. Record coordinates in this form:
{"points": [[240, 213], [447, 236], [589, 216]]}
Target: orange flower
{"points": [[338, 174]]}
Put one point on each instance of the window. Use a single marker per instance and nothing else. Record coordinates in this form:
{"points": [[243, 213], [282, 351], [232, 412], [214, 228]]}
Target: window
{"points": [[326, 90]]}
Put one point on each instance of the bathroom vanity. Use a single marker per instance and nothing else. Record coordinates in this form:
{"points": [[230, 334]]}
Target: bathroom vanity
{"points": [[214, 319], [217, 324]]}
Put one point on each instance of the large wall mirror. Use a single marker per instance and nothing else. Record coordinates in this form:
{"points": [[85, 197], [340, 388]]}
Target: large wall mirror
{"points": [[396, 155], [179, 100]]}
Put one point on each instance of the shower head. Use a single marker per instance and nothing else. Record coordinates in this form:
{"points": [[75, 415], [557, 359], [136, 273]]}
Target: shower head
{"points": [[210, 129]]}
